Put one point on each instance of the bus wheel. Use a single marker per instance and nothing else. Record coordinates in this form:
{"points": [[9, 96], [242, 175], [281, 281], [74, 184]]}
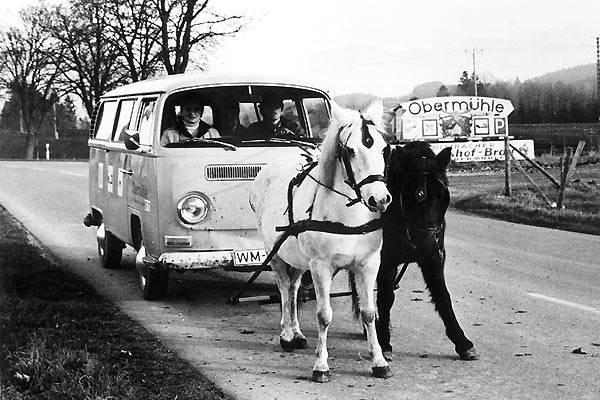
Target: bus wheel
{"points": [[110, 248], [153, 281]]}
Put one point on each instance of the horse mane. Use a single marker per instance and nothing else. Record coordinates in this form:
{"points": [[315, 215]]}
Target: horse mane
{"points": [[344, 118], [330, 144]]}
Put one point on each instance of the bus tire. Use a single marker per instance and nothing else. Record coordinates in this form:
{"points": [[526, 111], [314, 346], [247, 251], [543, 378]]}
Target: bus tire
{"points": [[153, 281], [110, 248]]}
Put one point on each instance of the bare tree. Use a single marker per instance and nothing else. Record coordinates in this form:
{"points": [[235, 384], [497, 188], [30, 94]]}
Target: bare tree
{"points": [[136, 35], [190, 24], [92, 62], [28, 69]]}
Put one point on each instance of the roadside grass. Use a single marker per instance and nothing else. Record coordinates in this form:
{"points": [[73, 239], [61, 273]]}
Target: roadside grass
{"points": [[483, 194], [60, 340]]}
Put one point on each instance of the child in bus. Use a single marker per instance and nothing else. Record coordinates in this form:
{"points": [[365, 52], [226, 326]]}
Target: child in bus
{"points": [[189, 123]]}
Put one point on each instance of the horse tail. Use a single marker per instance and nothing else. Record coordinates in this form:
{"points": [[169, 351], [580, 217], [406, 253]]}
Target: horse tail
{"points": [[355, 304]]}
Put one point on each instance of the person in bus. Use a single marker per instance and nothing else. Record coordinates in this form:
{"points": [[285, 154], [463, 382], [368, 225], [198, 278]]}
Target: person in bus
{"points": [[189, 123], [230, 122], [273, 122]]}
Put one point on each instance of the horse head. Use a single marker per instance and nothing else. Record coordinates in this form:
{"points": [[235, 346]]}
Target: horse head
{"points": [[362, 150], [419, 185]]}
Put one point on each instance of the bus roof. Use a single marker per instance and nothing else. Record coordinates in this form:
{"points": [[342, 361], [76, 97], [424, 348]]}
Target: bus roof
{"points": [[164, 84]]}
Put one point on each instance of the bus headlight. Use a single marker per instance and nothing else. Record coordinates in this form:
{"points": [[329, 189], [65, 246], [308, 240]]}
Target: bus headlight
{"points": [[192, 209]]}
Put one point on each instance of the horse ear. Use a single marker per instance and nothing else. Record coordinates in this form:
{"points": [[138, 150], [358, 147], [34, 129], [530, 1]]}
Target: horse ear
{"points": [[342, 115], [375, 113], [401, 156], [443, 158]]}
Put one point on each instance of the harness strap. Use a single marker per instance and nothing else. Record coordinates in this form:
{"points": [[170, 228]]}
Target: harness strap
{"points": [[295, 228], [304, 225], [296, 181]]}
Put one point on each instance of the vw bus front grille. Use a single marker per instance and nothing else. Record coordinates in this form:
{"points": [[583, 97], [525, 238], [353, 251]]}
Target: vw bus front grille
{"points": [[232, 172]]}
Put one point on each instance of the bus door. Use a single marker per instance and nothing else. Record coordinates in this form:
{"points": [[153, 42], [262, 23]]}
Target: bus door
{"points": [[119, 172]]}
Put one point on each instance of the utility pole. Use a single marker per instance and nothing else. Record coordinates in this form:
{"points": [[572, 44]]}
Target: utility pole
{"points": [[474, 51], [598, 72]]}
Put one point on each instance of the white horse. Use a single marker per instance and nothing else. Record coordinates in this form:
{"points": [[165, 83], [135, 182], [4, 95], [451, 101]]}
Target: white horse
{"points": [[333, 233]]}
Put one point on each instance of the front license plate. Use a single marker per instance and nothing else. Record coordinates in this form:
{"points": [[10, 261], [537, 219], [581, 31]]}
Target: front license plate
{"points": [[249, 257]]}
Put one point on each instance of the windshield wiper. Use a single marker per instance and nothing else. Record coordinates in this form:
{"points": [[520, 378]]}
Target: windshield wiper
{"points": [[283, 140], [227, 146]]}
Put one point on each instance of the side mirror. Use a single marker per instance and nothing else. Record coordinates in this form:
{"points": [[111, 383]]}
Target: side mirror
{"points": [[132, 141]]}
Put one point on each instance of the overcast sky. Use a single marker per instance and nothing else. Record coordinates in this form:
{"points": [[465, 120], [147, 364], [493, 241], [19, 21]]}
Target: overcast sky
{"points": [[386, 47]]}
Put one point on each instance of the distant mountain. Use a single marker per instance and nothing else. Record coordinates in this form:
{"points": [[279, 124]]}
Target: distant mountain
{"points": [[569, 75]]}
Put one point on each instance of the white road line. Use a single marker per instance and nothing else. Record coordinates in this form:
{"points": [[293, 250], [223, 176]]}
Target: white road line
{"points": [[72, 173], [565, 303]]}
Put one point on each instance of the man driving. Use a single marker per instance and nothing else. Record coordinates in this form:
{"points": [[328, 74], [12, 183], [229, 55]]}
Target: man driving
{"points": [[273, 122]]}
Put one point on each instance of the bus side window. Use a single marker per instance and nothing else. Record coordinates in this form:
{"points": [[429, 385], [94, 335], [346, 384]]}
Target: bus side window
{"points": [[124, 119], [145, 121], [106, 120]]}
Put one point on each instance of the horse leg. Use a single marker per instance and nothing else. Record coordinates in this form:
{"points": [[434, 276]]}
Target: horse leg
{"points": [[299, 340], [286, 277], [322, 277], [365, 285], [386, 278], [433, 273]]}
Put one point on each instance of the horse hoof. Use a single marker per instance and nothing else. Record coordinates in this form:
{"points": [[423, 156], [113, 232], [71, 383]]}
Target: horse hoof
{"points": [[388, 356], [287, 345], [320, 376], [382, 372], [468, 355], [299, 342]]}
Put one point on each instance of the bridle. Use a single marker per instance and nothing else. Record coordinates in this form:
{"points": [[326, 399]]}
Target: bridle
{"points": [[344, 154], [424, 171]]}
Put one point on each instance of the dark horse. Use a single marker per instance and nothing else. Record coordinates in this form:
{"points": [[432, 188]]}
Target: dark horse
{"points": [[413, 231]]}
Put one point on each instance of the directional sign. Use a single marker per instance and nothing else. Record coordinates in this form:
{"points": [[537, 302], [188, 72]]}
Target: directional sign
{"points": [[448, 118]]}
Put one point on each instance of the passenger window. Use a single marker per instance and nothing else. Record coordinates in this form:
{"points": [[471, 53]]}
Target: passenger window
{"points": [[124, 120], [290, 111], [145, 121], [106, 120], [247, 114], [318, 115]]}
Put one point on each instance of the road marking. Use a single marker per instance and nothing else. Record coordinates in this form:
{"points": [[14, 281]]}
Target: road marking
{"points": [[565, 303], [72, 173]]}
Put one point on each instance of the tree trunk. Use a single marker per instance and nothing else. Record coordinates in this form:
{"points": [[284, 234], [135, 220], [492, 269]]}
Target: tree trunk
{"points": [[30, 143]]}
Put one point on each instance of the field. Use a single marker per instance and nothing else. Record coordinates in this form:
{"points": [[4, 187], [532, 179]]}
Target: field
{"points": [[482, 193], [552, 139]]}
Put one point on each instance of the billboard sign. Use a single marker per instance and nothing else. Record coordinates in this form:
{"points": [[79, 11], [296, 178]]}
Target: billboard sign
{"points": [[488, 150]]}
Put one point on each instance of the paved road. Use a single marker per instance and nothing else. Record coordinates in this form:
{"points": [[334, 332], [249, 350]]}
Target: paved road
{"points": [[528, 297]]}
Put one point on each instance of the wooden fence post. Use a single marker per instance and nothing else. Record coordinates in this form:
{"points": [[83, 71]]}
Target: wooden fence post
{"points": [[507, 157], [564, 171], [575, 160]]}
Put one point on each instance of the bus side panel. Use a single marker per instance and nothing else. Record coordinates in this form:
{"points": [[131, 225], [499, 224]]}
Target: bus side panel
{"points": [[143, 199], [97, 174]]}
